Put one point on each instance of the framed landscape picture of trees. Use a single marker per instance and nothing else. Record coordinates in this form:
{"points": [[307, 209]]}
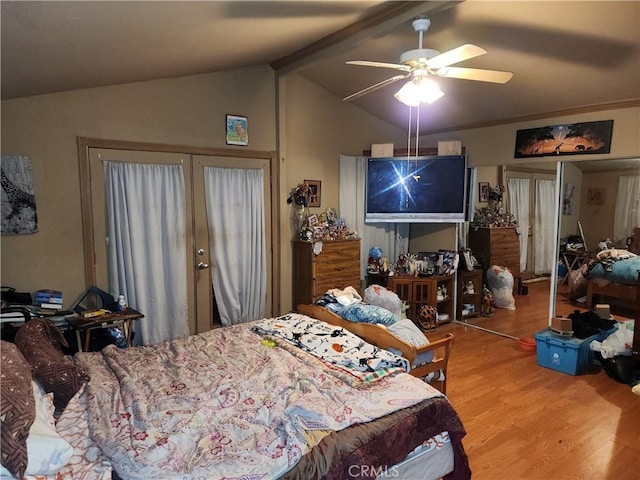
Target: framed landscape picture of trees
{"points": [[570, 139]]}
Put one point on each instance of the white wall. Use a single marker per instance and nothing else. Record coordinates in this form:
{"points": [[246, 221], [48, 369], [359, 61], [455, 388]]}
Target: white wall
{"points": [[316, 128]]}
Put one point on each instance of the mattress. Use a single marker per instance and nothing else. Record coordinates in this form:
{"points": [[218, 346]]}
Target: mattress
{"points": [[432, 460]]}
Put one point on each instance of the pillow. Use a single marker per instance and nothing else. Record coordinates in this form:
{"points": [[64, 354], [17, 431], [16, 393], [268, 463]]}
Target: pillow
{"points": [[47, 451], [41, 344], [409, 332], [17, 408], [365, 313], [382, 297]]}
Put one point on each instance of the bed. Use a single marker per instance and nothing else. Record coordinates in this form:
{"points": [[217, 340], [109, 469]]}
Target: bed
{"points": [[614, 278], [274, 398]]}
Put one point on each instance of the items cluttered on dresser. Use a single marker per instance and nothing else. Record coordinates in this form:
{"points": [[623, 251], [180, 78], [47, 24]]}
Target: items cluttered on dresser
{"points": [[309, 226], [424, 264]]}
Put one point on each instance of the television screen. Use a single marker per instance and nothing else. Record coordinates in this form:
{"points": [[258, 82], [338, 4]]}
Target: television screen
{"points": [[416, 189]]}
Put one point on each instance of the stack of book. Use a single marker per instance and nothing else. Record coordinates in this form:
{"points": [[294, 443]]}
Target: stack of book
{"points": [[49, 301]]}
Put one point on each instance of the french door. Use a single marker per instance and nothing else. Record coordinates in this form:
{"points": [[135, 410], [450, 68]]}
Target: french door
{"points": [[207, 318], [197, 255]]}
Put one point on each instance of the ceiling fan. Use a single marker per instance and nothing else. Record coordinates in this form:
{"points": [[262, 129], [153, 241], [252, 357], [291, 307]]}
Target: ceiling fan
{"points": [[421, 63]]}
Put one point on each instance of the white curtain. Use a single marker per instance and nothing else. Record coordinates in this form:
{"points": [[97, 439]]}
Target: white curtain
{"points": [[393, 238], [627, 212], [146, 227], [235, 214], [518, 195], [545, 260]]}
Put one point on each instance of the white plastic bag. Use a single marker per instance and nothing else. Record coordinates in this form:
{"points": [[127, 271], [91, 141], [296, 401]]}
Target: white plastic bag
{"points": [[500, 280], [618, 343], [381, 297]]}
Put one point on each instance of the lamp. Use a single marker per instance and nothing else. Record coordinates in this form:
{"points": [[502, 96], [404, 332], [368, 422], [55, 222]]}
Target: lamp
{"points": [[418, 90]]}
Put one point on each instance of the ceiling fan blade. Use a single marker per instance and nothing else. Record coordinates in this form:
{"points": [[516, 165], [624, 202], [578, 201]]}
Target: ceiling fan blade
{"points": [[493, 76], [366, 63], [456, 55], [375, 87]]}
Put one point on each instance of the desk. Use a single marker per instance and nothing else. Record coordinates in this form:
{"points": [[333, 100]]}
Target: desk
{"points": [[121, 319], [573, 261]]}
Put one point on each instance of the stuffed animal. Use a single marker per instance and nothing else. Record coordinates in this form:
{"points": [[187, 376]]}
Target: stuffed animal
{"points": [[428, 317], [486, 307], [401, 264], [384, 264]]}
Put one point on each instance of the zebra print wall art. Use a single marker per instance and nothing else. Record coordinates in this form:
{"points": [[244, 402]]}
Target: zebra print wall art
{"points": [[18, 203]]}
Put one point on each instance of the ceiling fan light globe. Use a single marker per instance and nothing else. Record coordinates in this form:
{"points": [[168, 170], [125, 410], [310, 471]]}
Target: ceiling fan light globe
{"points": [[408, 94], [419, 90], [429, 90]]}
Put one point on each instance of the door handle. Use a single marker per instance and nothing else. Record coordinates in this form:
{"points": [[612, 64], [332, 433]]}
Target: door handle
{"points": [[202, 265]]}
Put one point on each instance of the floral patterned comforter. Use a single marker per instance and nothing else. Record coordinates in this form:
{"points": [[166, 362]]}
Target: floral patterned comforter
{"points": [[223, 404]]}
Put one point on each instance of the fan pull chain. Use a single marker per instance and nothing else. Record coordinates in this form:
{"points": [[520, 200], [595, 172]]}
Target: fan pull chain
{"points": [[409, 136], [417, 128]]}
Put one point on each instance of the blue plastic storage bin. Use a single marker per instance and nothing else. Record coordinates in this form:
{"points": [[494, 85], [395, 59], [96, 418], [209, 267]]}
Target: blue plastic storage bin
{"points": [[567, 355]]}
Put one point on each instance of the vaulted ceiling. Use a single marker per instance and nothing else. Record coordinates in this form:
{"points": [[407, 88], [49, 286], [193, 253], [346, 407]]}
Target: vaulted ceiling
{"points": [[568, 56]]}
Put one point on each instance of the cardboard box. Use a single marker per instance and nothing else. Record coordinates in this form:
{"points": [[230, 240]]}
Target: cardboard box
{"points": [[450, 148], [561, 324], [603, 310], [381, 150]]}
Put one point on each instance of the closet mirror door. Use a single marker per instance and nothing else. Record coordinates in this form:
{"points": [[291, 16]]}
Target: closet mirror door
{"points": [[531, 196], [590, 196]]}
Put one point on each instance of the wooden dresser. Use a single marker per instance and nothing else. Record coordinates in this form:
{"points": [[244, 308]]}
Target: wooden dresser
{"points": [[337, 265], [496, 246]]}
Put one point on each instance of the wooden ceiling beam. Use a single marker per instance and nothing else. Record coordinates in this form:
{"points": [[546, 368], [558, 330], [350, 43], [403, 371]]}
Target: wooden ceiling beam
{"points": [[393, 14]]}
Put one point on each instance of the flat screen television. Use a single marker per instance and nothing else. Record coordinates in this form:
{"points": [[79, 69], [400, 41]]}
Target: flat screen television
{"points": [[416, 189]]}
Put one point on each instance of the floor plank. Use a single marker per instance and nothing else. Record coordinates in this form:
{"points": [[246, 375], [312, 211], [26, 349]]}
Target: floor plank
{"points": [[526, 422]]}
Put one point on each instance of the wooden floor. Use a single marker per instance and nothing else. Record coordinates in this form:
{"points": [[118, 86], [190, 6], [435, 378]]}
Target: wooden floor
{"points": [[526, 422]]}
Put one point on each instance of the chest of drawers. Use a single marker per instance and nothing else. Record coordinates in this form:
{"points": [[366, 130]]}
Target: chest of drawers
{"points": [[496, 246], [337, 265]]}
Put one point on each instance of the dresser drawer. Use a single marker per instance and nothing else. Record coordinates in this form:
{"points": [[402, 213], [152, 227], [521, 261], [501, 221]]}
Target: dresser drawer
{"points": [[347, 266], [337, 253]]}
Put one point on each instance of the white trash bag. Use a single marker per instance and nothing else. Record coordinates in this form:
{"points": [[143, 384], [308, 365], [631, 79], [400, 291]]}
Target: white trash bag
{"points": [[618, 343], [381, 297], [500, 280]]}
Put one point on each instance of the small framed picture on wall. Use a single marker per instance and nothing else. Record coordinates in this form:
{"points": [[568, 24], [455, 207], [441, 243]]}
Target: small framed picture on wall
{"points": [[237, 130], [483, 192], [314, 192]]}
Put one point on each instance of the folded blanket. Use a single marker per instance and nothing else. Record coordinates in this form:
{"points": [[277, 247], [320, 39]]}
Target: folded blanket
{"points": [[332, 344]]}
